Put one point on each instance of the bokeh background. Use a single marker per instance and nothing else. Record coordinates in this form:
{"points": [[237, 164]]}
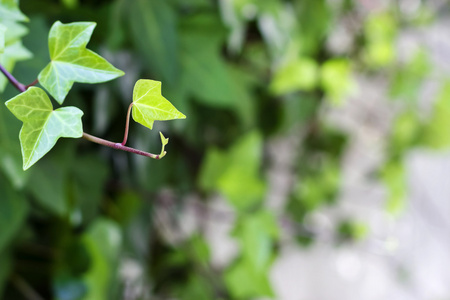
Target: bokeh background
{"points": [[313, 163]]}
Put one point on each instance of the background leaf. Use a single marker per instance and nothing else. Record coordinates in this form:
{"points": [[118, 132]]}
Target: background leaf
{"points": [[2, 38], [103, 241], [9, 10], [236, 173], [299, 75], [13, 212], [153, 28], [13, 50]]}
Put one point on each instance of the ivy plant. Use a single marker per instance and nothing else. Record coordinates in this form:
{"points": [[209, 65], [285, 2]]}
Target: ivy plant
{"points": [[71, 61]]}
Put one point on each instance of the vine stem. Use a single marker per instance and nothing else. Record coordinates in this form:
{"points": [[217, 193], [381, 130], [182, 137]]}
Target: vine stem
{"points": [[127, 125], [21, 87], [119, 146], [32, 84]]}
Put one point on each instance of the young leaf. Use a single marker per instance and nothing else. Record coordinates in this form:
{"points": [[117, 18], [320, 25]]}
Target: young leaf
{"points": [[71, 61], [164, 142], [149, 105], [42, 126]]}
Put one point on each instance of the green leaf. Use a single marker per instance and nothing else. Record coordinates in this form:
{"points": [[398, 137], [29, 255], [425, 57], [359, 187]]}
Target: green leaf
{"points": [[300, 74], [241, 182], [10, 37], [10, 156], [42, 126], [14, 31], [13, 211], [337, 79], [9, 10], [320, 186], [153, 27], [393, 176], [48, 185], [257, 234], [71, 61], [315, 19], [380, 32], [203, 63], [244, 282], [214, 165], [236, 173], [70, 4], [406, 132], [197, 287], [103, 240], [437, 132], [14, 52], [149, 105], [128, 204], [200, 250], [350, 230], [87, 183], [408, 79], [2, 38], [164, 142]]}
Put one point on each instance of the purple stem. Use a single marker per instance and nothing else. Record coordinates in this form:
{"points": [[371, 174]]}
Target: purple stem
{"points": [[32, 84], [13, 80], [118, 146]]}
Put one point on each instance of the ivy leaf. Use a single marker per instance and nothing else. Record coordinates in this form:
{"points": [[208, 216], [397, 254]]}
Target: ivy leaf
{"points": [[10, 156], [14, 31], [9, 10], [2, 38], [71, 61], [13, 53], [42, 126], [13, 50], [149, 105]]}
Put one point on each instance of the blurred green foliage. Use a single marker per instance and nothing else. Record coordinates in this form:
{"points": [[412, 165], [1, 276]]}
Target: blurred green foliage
{"points": [[93, 223]]}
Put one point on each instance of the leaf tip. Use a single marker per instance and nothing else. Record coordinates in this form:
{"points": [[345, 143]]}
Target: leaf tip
{"points": [[27, 163]]}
